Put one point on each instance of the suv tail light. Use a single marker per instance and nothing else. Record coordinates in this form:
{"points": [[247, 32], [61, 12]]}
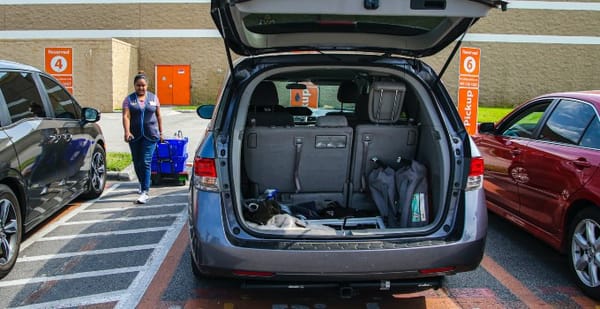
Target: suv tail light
{"points": [[205, 174], [475, 179]]}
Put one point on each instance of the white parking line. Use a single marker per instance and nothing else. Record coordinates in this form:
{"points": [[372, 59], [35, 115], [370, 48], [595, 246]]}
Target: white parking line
{"points": [[120, 199], [132, 207], [128, 298], [111, 233], [124, 219], [80, 253], [47, 229], [88, 274], [78, 301], [175, 194], [141, 282]]}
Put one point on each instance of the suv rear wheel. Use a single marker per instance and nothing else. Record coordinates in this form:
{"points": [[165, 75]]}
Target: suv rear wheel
{"points": [[10, 230], [97, 174]]}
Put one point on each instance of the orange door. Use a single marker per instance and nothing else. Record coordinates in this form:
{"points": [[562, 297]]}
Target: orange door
{"points": [[173, 84], [164, 84], [181, 85]]}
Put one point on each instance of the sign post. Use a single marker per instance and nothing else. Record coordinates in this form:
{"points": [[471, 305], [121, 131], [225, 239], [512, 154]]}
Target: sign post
{"points": [[59, 63], [468, 87]]}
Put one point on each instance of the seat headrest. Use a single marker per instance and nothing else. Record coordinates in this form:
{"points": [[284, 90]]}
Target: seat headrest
{"points": [[265, 94], [361, 109], [385, 101], [332, 121], [348, 92]]}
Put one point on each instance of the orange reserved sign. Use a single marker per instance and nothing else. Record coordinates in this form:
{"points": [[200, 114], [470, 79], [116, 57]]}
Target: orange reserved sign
{"points": [[59, 60], [469, 60], [67, 81], [468, 87]]}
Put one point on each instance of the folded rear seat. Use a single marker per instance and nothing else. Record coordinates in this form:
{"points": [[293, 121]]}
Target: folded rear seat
{"points": [[383, 139], [300, 160]]}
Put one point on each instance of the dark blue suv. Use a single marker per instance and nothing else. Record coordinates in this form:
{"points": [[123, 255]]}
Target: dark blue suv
{"points": [[51, 152], [334, 155]]}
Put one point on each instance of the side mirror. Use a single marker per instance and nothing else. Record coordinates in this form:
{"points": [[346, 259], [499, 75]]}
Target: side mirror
{"points": [[205, 111], [90, 114], [486, 127]]}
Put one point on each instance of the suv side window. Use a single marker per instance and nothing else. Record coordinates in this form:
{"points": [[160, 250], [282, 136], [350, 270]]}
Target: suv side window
{"points": [[21, 95], [63, 104], [568, 122], [591, 137], [525, 123]]}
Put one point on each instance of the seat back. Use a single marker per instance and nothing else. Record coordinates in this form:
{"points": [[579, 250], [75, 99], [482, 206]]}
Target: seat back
{"points": [[383, 138], [264, 107], [385, 102], [300, 159], [348, 92]]}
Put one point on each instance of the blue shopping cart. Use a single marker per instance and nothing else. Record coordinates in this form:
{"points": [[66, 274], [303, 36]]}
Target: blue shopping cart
{"points": [[169, 160]]}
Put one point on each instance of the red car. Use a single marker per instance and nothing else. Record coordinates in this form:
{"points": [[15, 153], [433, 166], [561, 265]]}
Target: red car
{"points": [[541, 164]]}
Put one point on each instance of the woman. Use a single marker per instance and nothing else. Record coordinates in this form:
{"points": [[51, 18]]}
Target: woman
{"points": [[142, 124]]}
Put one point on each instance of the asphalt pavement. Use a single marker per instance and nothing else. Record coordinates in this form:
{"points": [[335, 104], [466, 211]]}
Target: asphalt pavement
{"points": [[186, 121]]}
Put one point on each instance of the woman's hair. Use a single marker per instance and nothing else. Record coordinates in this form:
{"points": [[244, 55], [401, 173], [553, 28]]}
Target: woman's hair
{"points": [[138, 76]]}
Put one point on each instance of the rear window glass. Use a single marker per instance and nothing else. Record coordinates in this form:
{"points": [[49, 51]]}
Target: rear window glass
{"points": [[591, 138], [524, 124], [62, 102], [568, 122], [319, 98], [21, 95], [291, 23]]}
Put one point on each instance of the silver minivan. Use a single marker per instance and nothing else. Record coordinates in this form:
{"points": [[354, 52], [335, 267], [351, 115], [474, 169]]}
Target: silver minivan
{"points": [[334, 155]]}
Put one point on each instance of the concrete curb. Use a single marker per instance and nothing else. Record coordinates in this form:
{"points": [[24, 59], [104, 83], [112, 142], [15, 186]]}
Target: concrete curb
{"points": [[127, 174]]}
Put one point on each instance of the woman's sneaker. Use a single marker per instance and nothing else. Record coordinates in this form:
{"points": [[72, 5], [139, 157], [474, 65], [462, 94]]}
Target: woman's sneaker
{"points": [[143, 198]]}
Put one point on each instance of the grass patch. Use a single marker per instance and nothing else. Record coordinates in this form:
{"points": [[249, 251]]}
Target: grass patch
{"points": [[117, 161], [185, 107], [492, 114]]}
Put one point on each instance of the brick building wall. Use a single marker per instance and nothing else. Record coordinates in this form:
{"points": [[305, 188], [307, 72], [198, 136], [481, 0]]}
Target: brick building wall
{"points": [[532, 48], [125, 64], [92, 66]]}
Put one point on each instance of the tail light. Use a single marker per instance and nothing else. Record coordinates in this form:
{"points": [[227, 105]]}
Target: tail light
{"points": [[475, 178], [439, 270], [205, 174]]}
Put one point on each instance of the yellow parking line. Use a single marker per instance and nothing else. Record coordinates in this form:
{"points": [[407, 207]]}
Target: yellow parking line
{"points": [[513, 284]]}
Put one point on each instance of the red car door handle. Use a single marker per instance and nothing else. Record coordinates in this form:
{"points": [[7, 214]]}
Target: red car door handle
{"points": [[581, 163], [515, 152]]}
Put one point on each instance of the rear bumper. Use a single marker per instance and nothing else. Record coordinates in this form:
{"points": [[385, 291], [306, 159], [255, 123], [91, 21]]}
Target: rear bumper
{"points": [[215, 255]]}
